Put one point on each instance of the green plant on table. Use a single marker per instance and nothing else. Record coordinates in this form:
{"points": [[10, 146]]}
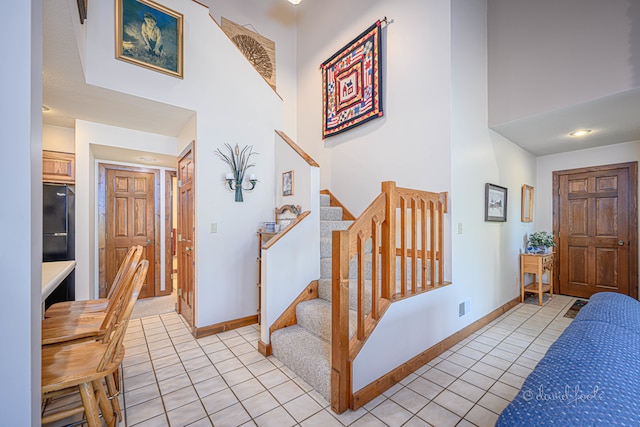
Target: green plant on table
{"points": [[541, 238]]}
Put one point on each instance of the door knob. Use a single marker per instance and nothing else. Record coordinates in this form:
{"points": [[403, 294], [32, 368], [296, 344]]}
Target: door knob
{"points": [[620, 242], [147, 242], [188, 249]]}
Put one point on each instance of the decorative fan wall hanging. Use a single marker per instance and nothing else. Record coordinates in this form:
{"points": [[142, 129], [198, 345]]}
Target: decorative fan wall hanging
{"points": [[259, 50]]}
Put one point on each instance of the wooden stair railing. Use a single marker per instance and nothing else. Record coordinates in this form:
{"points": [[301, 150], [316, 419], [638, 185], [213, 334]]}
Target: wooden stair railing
{"points": [[421, 238]]}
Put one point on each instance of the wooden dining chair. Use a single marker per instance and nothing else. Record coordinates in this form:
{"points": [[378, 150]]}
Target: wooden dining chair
{"points": [[86, 367], [67, 308], [87, 326]]}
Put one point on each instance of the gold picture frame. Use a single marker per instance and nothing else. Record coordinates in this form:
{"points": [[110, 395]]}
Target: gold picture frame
{"points": [[150, 35], [527, 203], [287, 183]]}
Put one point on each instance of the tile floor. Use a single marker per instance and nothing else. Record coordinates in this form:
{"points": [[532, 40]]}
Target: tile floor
{"points": [[172, 379]]}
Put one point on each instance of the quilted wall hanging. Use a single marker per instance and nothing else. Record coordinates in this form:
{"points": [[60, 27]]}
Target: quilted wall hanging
{"points": [[352, 84]]}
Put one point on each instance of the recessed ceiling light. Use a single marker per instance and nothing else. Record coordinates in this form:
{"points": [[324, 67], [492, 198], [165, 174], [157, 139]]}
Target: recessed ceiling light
{"points": [[581, 132], [148, 159], [45, 108], [296, 2]]}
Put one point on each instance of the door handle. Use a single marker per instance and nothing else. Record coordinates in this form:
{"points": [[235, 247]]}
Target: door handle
{"points": [[147, 242], [620, 242], [188, 249]]}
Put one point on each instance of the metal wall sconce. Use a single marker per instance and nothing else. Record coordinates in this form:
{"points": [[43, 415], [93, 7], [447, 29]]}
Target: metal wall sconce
{"points": [[238, 161], [235, 184]]}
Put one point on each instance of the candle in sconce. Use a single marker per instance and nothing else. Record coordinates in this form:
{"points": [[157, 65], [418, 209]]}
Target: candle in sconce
{"points": [[252, 177], [229, 175]]}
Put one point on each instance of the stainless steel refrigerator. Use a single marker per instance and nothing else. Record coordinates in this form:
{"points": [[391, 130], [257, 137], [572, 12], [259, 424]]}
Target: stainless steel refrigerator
{"points": [[58, 239]]}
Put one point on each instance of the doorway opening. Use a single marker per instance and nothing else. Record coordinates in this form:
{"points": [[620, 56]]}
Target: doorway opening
{"points": [[130, 212]]}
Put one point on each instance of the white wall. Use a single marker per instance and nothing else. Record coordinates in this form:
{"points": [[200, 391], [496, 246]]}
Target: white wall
{"points": [[410, 144], [485, 254], [21, 255], [188, 134], [287, 268], [275, 20], [78, 30], [58, 138], [293, 261], [546, 165], [549, 54], [234, 105], [288, 160]]}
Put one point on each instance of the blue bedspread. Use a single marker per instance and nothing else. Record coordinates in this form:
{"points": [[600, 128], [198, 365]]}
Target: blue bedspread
{"points": [[591, 375]]}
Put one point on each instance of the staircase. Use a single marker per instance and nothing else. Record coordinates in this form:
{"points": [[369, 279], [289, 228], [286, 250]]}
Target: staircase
{"points": [[392, 251], [306, 347]]}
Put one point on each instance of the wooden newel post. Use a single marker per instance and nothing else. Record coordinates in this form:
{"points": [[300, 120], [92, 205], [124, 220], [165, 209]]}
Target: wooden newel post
{"points": [[389, 241], [340, 364]]}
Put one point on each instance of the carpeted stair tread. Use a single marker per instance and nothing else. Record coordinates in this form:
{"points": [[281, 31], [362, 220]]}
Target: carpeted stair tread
{"points": [[325, 247], [315, 316], [326, 263], [324, 291], [330, 213], [305, 354], [327, 227], [325, 200]]}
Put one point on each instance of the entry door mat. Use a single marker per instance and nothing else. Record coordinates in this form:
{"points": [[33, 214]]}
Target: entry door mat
{"points": [[575, 308], [535, 300]]}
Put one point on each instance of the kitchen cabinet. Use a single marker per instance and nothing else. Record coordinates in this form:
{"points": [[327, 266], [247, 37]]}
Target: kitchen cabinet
{"points": [[58, 167]]}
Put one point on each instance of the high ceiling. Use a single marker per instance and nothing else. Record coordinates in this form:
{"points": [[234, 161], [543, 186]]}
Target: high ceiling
{"points": [[614, 119]]}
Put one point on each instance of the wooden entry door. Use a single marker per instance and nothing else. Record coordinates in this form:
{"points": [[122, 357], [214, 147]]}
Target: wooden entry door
{"points": [[186, 240], [595, 219], [130, 218]]}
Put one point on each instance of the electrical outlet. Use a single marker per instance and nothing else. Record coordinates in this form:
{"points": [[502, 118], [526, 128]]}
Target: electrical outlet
{"points": [[214, 227], [459, 228]]}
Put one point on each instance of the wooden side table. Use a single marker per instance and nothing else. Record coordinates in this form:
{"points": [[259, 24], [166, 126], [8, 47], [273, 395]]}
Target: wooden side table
{"points": [[536, 264]]}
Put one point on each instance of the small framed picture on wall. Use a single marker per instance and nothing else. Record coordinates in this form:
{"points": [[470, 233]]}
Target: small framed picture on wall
{"points": [[495, 203], [287, 183]]}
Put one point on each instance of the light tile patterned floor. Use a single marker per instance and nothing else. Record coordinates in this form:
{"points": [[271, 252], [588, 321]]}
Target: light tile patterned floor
{"points": [[172, 379]]}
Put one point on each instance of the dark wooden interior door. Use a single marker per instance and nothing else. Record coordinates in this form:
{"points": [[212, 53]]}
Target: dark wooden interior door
{"points": [[186, 247], [595, 219], [130, 220]]}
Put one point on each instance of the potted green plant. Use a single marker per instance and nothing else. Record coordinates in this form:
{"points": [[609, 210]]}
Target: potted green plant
{"points": [[540, 242]]}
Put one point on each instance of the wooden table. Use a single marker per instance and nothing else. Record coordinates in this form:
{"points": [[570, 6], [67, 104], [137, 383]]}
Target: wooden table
{"points": [[53, 273], [537, 265]]}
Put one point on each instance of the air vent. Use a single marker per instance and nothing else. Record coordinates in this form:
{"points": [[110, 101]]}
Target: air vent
{"points": [[464, 307]]}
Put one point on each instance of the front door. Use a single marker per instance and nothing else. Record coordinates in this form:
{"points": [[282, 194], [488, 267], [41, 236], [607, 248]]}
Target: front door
{"points": [[186, 241], [130, 219], [595, 219]]}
